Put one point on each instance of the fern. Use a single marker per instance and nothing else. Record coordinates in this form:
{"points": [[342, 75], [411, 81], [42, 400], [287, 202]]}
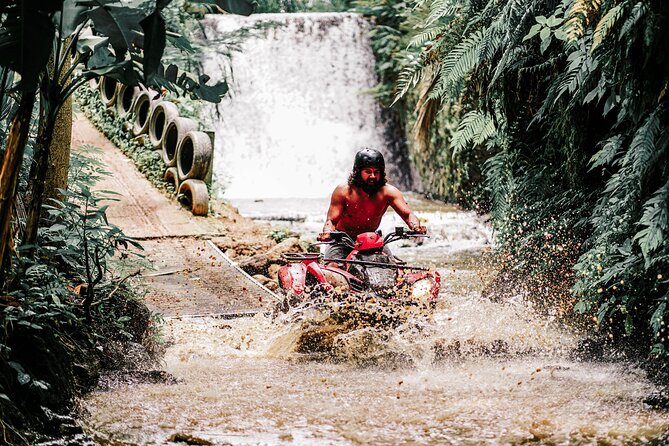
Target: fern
{"points": [[643, 150], [608, 153], [442, 9], [606, 24], [459, 62], [638, 12], [475, 127], [409, 76], [578, 18], [656, 224], [425, 36]]}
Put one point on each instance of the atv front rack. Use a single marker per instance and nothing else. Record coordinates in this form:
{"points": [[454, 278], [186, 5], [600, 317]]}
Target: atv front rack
{"points": [[377, 264], [300, 256]]}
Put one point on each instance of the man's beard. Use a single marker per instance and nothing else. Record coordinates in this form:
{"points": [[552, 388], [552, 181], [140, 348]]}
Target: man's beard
{"points": [[355, 179], [371, 187]]}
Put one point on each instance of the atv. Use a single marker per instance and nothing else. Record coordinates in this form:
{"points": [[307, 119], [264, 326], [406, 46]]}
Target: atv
{"points": [[369, 269]]}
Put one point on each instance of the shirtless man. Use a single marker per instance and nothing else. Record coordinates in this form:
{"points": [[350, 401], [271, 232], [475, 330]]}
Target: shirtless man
{"points": [[358, 206]]}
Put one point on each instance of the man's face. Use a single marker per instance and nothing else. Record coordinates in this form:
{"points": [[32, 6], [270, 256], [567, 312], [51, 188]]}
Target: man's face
{"points": [[370, 175]]}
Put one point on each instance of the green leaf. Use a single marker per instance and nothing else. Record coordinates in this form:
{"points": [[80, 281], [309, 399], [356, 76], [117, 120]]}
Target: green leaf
{"points": [[657, 318], [21, 374], [241, 7], [154, 43], [612, 147], [533, 31]]}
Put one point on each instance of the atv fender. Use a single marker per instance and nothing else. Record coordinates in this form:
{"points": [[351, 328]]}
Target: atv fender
{"points": [[292, 277]]}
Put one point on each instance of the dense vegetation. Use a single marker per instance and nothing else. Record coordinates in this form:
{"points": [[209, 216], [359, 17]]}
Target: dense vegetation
{"points": [[562, 105], [66, 308]]}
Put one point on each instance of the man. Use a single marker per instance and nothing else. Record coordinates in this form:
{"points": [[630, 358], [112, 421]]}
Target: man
{"points": [[358, 206]]}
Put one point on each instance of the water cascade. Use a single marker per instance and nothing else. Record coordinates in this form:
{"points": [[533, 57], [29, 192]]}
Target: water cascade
{"points": [[298, 107]]}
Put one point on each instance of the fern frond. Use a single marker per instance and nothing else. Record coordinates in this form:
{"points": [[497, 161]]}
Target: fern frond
{"points": [[475, 127], [462, 59], [655, 218], [578, 18], [426, 36], [441, 9], [642, 149], [608, 153], [638, 12], [498, 171], [606, 24], [409, 77]]}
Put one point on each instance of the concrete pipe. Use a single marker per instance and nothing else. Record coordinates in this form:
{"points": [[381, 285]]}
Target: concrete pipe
{"points": [[142, 109], [172, 177], [125, 99], [162, 113], [94, 82], [174, 132], [108, 90], [194, 193], [194, 155]]}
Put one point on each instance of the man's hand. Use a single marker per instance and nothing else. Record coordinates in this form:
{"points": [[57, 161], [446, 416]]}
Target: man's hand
{"points": [[323, 237], [420, 229]]}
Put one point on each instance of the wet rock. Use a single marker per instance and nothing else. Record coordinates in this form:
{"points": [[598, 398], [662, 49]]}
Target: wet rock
{"points": [[259, 263], [190, 439], [272, 285], [128, 356], [116, 379], [273, 271], [261, 279]]}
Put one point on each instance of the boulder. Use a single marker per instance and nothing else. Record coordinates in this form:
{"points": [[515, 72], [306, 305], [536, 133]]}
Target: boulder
{"points": [[258, 263]]}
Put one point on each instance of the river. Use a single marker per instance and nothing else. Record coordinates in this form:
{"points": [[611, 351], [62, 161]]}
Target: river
{"points": [[476, 372]]}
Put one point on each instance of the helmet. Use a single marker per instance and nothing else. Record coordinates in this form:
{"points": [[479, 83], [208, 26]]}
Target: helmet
{"points": [[368, 158]]}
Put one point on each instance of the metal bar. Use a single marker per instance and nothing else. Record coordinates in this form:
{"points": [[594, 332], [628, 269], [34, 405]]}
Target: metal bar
{"points": [[382, 265]]}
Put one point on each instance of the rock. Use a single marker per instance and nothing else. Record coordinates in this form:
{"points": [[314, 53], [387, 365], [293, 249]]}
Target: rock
{"points": [[231, 253], [273, 271], [260, 278], [272, 285], [258, 263]]}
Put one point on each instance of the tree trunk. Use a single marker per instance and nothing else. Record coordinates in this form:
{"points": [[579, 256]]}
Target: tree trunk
{"points": [[37, 175], [19, 130], [59, 154], [51, 158]]}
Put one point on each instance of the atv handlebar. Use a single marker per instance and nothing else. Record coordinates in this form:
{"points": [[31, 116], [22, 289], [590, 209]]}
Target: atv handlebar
{"points": [[345, 239]]}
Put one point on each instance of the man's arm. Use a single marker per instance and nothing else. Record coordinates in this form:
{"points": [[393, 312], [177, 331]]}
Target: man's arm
{"points": [[335, 212], [399, 204]]}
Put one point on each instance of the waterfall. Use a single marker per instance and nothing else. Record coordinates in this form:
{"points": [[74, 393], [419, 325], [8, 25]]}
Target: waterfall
{"points": [[298, 107]]}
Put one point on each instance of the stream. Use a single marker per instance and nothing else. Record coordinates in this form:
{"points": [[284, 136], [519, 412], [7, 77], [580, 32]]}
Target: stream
{"points": [[475, 372]]}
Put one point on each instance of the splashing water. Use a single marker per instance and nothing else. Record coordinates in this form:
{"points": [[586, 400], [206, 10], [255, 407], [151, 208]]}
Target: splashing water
{"points": [[473, 372]]}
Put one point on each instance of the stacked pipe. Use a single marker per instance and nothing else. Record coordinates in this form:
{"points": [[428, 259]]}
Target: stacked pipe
{"points": [[185, 151]]}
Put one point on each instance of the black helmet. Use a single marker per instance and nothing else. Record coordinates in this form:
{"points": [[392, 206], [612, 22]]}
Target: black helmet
{"points": [[368, 158]]}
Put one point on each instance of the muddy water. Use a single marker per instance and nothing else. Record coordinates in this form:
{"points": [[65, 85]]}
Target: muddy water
{"points": [[474, 372]]}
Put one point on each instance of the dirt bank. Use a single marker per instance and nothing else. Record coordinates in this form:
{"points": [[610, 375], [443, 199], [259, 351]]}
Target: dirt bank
{"points": [[190, 275]]}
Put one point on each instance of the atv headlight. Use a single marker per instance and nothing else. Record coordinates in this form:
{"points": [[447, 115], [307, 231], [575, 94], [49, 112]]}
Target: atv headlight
{"points": [[421, 292]]}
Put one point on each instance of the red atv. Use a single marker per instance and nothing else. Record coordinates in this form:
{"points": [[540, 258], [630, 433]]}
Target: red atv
{"points": [[367, 269]]}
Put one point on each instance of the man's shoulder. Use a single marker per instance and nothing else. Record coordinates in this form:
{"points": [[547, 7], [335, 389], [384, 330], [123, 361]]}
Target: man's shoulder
{"points": [[391, 191], [342, 190]]}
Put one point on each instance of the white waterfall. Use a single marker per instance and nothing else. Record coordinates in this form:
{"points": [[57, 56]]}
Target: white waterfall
{"points": [[298, 108]]}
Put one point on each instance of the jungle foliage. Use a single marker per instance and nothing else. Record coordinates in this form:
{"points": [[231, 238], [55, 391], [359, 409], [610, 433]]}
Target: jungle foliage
{"points": [[444, 172], [566, 103], [63, 299]]}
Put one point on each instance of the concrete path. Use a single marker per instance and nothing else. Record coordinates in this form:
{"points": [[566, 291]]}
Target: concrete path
{"points": [[192, 276]]}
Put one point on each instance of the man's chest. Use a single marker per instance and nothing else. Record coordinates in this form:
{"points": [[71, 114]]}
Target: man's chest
{"points": [[366, 207]]}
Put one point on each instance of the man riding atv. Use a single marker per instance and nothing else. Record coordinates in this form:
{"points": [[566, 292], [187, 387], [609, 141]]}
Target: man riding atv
{"points": [[358, 206]]}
